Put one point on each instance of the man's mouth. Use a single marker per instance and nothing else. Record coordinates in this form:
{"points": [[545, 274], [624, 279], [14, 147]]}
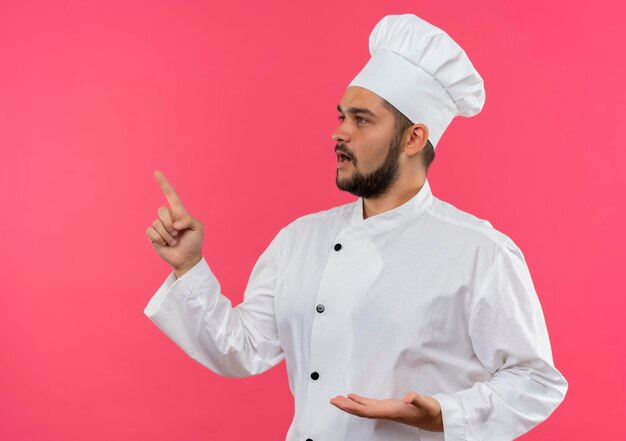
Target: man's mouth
{"points": [[342, 157]]}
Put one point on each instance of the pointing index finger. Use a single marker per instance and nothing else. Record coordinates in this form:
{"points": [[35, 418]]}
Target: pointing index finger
{"points": [[170, 193]]}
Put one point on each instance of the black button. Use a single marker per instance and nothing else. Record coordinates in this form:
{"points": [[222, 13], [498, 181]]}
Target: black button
{"points": [[320, 308], [315, 375], [309, 439], [337, 246]]}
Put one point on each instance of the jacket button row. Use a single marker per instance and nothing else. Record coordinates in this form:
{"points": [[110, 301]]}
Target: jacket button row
{"points": [[337, 246], [320, 308], [315, 375]]}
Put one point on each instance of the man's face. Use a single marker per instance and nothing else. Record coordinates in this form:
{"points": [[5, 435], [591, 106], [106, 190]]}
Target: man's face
{"points": [[366, 134]]}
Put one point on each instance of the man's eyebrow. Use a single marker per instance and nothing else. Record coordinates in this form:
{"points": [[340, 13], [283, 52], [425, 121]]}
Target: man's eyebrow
{"points": [[357, 110]]}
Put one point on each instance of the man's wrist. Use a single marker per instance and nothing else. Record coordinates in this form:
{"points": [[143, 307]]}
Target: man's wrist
{"points": [[435, 424], [181, 270]]}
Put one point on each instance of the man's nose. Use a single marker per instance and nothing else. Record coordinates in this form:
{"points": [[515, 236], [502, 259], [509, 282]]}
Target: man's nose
{"points": [[341, 135]]}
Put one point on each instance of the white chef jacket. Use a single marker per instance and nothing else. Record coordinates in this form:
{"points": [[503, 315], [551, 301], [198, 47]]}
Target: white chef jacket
{"points": [[423, 297]]}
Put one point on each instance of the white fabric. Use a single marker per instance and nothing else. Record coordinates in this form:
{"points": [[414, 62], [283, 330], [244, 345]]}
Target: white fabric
{"points": [[423, 297], [422, 72]]}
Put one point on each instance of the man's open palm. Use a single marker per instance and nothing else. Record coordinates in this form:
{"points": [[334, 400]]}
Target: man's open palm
{"points": [[175, 234], [415, 409]]}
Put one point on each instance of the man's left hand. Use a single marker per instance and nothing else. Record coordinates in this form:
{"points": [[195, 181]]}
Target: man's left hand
{"points": [[415, 409]]}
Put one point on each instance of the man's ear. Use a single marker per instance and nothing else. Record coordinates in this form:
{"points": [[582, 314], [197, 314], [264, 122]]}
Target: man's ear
{"points": [[417, 139]]}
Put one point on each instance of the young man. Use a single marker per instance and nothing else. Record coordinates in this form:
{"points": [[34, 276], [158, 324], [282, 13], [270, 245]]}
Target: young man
{"points": [[400, 317]]}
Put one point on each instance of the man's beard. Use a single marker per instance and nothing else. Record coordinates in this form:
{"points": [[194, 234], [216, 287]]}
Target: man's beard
{"points": [[377, 183]]}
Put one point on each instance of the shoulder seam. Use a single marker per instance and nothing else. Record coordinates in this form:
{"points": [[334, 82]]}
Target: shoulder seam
{"points": [[470, 226]]}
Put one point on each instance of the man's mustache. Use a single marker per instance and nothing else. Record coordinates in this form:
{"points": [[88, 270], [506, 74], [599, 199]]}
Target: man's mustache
{"points": [[341, 148]]}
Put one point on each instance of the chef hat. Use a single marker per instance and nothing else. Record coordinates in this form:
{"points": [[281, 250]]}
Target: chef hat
{"points": [[422, 72]]}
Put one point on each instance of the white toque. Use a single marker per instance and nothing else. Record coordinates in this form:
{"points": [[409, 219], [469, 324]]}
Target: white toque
{"points": [[422, 72]]}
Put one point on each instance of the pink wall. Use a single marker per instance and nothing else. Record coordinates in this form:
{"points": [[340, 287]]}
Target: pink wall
{"points": [[235, 103]]}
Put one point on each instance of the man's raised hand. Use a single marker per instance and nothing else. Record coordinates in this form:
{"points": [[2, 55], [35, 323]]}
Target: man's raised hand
{"points": [[175, 234]]}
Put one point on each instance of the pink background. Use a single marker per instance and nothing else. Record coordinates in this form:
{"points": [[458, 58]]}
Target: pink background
{"points": [[235, 103]]}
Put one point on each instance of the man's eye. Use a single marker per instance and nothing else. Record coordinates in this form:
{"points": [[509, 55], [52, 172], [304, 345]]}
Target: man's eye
{"points": [[357, 118]]}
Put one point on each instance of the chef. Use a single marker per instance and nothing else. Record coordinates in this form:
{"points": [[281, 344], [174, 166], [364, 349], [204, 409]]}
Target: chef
{"points": [[399, 316]]}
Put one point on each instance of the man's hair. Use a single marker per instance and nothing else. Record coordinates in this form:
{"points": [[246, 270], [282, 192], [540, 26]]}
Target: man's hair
{"points": [[402, 123]]}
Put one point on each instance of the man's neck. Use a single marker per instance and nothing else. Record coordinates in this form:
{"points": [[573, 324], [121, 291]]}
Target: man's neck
{"points": [[398, 195]]}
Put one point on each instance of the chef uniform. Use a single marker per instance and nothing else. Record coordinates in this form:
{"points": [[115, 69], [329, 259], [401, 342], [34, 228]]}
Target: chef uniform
{"points": [[424, 297]]}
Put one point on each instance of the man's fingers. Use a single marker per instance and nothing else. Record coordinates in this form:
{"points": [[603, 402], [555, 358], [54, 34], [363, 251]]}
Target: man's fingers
{"points": [[362, 400], [165, 214], [155, 238], [158, 226], [170, 193], [186, 222]]}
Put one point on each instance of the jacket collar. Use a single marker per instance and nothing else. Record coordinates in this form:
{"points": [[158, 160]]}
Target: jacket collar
{"points": [[410, 210]]}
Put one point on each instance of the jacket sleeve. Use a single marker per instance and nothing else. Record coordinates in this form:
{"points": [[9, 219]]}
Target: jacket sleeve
{"points": [[232, 342], [510, 338]]}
